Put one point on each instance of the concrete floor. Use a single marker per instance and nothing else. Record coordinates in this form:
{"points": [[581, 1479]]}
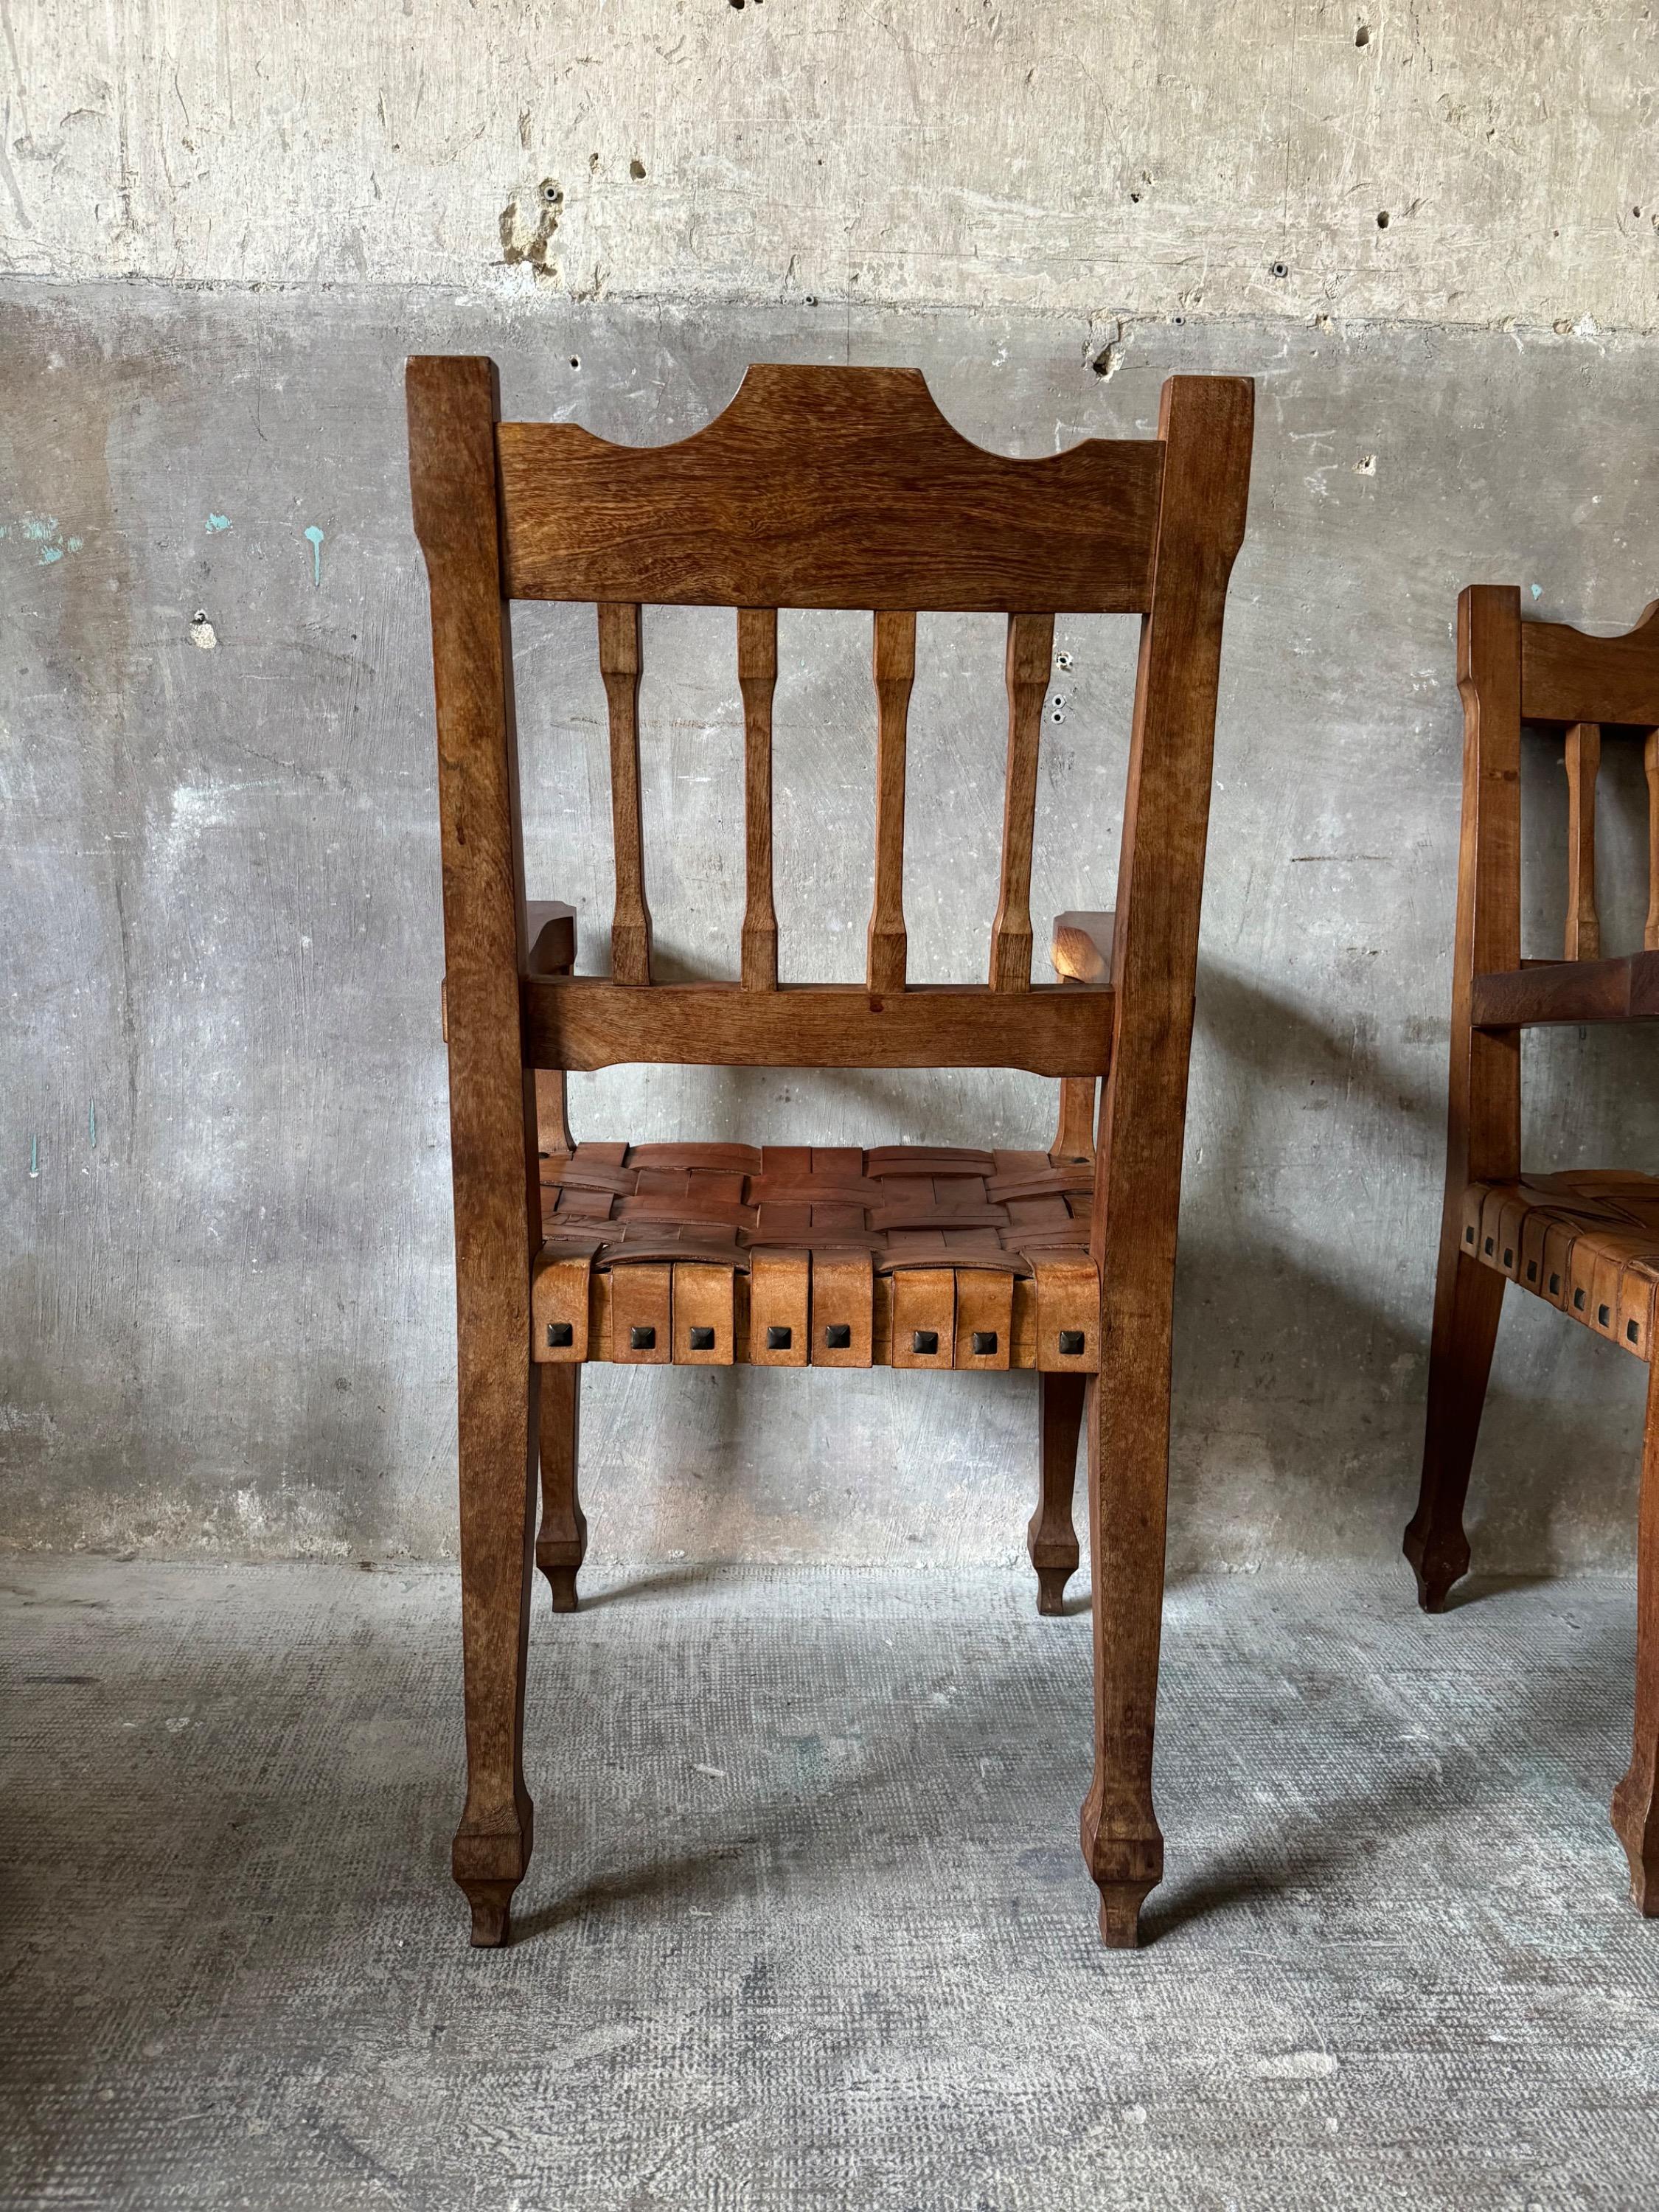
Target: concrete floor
{"points": [[807, 1924]]}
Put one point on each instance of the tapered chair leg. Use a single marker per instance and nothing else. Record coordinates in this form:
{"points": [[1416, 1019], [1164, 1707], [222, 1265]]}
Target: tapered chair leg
{"points": [[498, 1454], [1127, 1419], [1635, 1811], [1468, 1299], [561, 1542], [1051, 1534]]}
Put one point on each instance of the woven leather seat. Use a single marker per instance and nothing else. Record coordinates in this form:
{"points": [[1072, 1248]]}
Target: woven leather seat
{"points": [[786, 1255], [1587, 1242]]}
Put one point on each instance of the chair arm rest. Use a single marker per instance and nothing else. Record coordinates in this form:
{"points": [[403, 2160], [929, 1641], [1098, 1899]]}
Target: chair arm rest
{"points": [[1081, 951]]}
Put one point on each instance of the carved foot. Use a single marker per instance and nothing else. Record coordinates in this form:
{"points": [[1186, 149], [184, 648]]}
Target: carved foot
{"points": [[1124, 1854], [491, 1903], [489, 1865], [1051, 1589], [1438, 1562], [561, 1581], [1636, 1824], [1120, 1914]]}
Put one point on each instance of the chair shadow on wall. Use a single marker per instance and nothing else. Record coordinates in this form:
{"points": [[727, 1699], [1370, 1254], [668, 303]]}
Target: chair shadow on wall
{"points": [[1264, 1049]]}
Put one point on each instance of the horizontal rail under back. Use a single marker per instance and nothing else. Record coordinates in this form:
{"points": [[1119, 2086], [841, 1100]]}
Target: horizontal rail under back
{"points": [[583, 1023], [823, 486]]}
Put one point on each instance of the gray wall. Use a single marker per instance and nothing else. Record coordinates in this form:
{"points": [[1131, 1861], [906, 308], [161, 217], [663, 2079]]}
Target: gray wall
{"points": [[226, 1317]]}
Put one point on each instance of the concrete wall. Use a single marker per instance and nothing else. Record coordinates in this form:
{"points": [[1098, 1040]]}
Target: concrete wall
{"points": [[226, 1318]]}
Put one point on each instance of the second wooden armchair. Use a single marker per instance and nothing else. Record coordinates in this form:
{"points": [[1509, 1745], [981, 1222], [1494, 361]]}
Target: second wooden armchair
{"points": [[821, 487], [1585, 1242]]}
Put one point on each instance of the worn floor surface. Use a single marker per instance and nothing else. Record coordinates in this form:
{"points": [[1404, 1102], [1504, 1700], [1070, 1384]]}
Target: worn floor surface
{"points": [[807, 1924]]}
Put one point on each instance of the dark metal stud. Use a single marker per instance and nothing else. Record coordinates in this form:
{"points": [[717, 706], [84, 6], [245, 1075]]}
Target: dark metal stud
{"points": [[1601, 1316], [924, 1340], [703, 1339], [642, 1340], [778, 1339], [1071, 1342], [560, 1335], [838, 1336], [985, 1340]]}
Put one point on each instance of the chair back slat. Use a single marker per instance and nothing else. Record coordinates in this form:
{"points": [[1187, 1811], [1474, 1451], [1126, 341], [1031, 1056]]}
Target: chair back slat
{"points": [[895, 668], [620, 662], [825, 487], [1029, 657], [1582, 762], [757, 679]]}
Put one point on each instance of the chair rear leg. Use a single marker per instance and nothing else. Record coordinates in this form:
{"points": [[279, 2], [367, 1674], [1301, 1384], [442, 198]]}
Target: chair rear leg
{"points": [[498, 1425], [562, 1544], [1051, 1534], [1127, 1417], [1635, 1811], [1468, 1301]]}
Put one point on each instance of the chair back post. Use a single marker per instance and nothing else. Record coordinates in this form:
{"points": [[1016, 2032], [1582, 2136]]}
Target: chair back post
{"points": [[1483, 1083], [452, 411], [1205, 423]]}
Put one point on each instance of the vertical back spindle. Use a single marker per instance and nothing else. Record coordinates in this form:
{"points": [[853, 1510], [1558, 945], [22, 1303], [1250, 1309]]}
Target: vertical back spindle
{"points": [[1582, 761], [895, 664], [1651, 761], [619, 664], [1030, 653], [757, 678]]}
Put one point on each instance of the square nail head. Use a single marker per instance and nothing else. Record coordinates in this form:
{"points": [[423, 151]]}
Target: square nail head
{"points": [[838, 1336], [641, 1339], [779, 1338]]}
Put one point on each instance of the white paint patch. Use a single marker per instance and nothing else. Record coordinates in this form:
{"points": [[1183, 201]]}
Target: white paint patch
{"points": [[201, 631], [1298, 2066]]}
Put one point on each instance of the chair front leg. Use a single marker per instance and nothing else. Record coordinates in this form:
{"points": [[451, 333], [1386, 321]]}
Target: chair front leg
{"points": [[1051, 1534], [498, 1423], [1635, 1811], [1467, 1300], [1127, 1416], [562, 1544]]}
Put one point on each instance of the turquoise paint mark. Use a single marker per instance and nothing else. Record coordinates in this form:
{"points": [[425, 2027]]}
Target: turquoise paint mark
{"points": [[36, 526], [92, 1126], [1537, 591], [218, 522], [314, 539], [76, 544], [34, 1156], [49, 554]]}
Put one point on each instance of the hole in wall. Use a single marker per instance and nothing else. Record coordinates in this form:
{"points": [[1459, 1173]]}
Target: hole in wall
{"points": [[1383, 219]]}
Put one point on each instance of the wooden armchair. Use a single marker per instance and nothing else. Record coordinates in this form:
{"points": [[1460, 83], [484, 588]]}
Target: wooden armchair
{"points": [[1586, 1242], [820, 488]]}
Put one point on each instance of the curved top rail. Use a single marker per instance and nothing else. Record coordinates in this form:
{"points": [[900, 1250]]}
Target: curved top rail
{"points": [[1568, 675], [828, 487]]}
